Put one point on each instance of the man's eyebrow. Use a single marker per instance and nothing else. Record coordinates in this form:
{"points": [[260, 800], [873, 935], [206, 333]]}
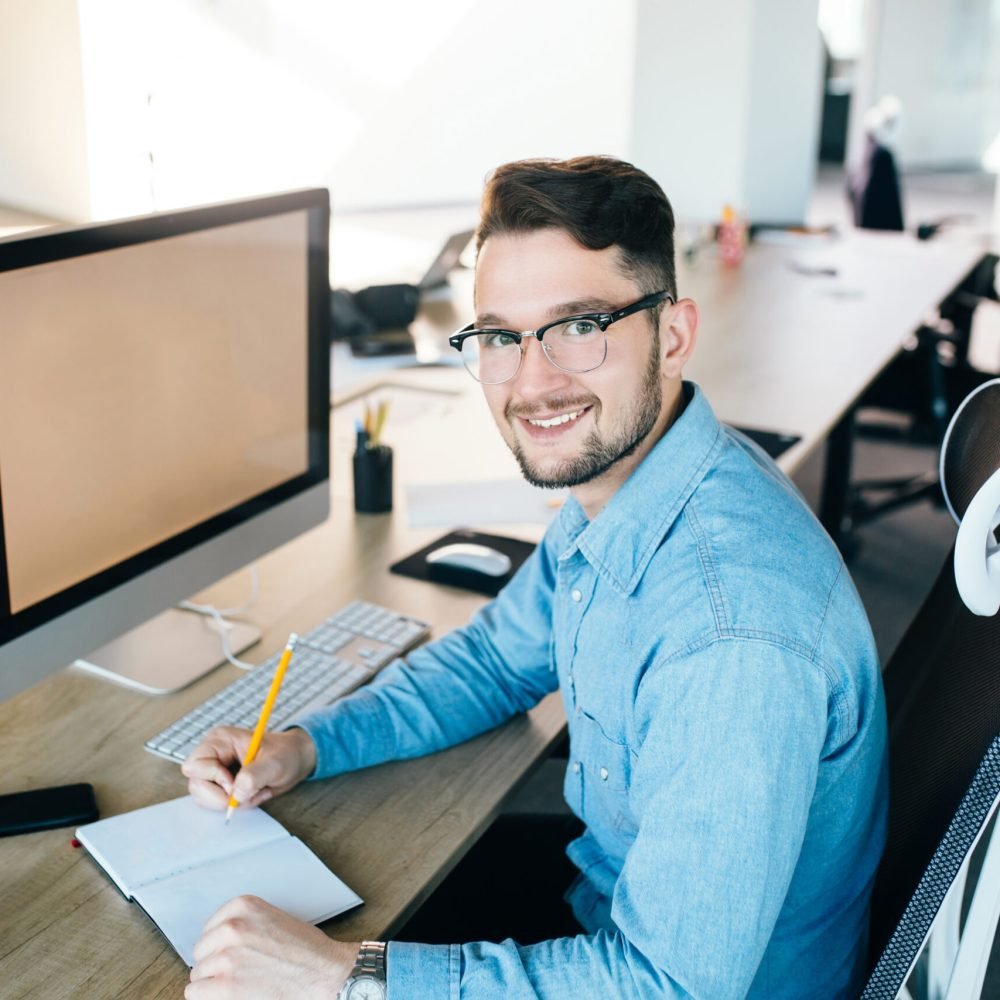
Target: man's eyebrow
{"points": [[582, 306], [573, 308]]}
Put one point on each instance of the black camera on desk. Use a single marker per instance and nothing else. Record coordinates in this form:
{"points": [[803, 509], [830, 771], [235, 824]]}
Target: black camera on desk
{"points": [[374, 320]]}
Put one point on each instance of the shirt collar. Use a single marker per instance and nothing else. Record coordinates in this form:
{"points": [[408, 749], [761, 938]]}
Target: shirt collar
{"points": [[621, 540]]}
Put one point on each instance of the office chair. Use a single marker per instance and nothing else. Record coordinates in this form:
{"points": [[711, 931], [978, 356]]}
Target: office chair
{"points": [[927, 382], [943, 700]]}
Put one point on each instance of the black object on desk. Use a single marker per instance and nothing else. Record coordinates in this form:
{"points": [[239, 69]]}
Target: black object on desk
{"points": [[46, 808], [773, 442], [383, 343], [372, 478], [416, 565]]}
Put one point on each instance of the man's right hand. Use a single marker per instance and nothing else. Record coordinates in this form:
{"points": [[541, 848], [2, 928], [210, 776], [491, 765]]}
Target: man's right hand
{"points": [[283, 760]]}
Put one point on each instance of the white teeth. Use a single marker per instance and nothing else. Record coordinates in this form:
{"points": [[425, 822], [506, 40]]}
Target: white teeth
{"points": [[564, 418]]}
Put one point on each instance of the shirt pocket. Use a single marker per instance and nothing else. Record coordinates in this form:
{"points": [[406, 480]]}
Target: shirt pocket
{"points": [[602, 768]]}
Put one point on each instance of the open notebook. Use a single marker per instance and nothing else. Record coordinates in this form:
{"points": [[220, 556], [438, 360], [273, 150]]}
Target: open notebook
{"points": [[180, 863]]}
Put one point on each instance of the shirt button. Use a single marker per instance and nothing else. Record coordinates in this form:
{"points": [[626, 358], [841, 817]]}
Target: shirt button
{"points": [[576, 595], [603, 773], [576, 767]]}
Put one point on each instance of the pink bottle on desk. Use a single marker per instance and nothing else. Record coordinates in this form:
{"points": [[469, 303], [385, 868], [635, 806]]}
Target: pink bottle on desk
{"points": [[731, 237]]}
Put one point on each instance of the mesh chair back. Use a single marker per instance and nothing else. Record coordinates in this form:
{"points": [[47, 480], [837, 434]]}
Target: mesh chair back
{"points": [[970, 452], [908, 939], [942, 688]]}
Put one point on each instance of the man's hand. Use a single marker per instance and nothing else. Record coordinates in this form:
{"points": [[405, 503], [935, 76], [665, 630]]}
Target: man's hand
{"points": [[282, 761], [250, 949]]}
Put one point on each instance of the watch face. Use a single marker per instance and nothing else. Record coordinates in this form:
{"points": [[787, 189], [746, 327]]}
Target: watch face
{"points": [[364, 987]]}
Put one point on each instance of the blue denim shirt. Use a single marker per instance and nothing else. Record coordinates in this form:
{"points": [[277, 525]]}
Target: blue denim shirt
{"points": [[727, 737]]}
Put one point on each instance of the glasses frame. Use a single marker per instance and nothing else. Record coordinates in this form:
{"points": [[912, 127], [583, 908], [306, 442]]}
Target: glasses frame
{"points": [[602, 319]]}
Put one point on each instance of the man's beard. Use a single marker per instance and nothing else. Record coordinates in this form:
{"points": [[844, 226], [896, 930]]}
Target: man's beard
{"points": [[597, 455]]}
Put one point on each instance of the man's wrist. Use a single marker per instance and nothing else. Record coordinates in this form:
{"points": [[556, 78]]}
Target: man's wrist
{"points": [[368, 977], [307, 752]]}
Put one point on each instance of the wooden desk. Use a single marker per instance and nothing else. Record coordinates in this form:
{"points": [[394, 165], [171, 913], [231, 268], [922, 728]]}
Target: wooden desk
{"points": [[391, 832], [779, 350]]}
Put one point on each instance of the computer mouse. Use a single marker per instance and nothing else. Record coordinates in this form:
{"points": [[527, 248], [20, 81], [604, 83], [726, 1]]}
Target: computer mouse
{"points": [[470, 556]]}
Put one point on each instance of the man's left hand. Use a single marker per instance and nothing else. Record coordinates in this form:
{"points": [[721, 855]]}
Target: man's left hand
{"points": [[250, 949]]}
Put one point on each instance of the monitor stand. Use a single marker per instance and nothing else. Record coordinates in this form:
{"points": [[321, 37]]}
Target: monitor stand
{"points": [[167, 652]]}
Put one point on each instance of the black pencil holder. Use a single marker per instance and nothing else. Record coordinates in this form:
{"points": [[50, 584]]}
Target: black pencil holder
{"points": [[373, 480]]}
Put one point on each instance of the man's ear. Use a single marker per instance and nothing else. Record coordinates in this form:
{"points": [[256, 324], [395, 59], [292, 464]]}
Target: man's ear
{"points": [[678, 334]]}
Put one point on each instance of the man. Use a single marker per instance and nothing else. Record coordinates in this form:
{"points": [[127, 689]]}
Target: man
{"points": [[726, 718]]}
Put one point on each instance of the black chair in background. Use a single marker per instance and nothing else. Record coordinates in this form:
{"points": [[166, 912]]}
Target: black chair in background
{"points": [[943, 698], [928, 380], [874, 191], [925, 384]]}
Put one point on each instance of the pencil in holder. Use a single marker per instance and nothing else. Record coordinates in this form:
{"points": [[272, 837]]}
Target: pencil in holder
{"points": [[373, 479]]}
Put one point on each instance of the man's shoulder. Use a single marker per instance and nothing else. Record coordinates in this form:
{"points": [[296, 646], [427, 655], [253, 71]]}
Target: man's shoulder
{"points": [[767, 567]]}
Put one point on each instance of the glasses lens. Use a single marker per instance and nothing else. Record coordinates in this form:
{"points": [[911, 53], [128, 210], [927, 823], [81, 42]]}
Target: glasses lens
{"points": [[576, 346], [491, 357]]}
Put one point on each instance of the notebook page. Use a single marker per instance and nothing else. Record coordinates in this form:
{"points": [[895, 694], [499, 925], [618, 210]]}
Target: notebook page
{"points": [[148, 844], [285, 873]]}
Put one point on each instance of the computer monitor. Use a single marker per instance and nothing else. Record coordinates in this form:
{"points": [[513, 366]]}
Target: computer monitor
{"points": [[164, 420]]}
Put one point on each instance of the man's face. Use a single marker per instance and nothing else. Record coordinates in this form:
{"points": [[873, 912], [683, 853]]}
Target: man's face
{"points": [[566, 429]]}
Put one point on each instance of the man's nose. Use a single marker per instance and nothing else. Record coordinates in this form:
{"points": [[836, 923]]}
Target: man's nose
{"points": [[537, 374]]}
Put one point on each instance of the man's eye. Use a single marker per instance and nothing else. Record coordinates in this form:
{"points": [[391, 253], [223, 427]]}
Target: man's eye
{"points": [[580, 328], [498, 339]]}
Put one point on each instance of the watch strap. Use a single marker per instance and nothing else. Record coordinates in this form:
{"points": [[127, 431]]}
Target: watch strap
{"points": [[370, 960]]}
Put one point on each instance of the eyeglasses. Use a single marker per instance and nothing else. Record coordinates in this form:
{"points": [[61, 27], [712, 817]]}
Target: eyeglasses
{"points": [[574, 344]]}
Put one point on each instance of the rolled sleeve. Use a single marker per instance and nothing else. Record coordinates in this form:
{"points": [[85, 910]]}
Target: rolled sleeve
{"points": [[422, 970], [450, 690]]}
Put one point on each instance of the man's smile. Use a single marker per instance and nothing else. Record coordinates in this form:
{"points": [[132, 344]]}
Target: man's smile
{"points": [[553, 424], [562, 418]]}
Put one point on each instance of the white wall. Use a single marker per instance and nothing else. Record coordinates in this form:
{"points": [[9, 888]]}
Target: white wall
{"points": [[43, 146], [785, 109], [388, 102], [941, 58], [727, 103], [689, 110]]}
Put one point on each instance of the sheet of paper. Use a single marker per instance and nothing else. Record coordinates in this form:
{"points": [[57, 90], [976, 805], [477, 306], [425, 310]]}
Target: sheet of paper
{"points": [[147, 844], [496, 501], [286, 874]]}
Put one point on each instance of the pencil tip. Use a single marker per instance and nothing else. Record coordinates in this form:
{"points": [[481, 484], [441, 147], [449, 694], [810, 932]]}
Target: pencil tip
{"points": [[229, 813]]}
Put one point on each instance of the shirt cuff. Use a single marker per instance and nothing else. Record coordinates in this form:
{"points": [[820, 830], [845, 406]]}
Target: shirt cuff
{"points": [[348, 735], [422, 970]]}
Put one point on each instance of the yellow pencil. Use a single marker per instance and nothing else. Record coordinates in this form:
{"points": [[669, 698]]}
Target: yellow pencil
{"points": [[383, 412], [265, 713]]}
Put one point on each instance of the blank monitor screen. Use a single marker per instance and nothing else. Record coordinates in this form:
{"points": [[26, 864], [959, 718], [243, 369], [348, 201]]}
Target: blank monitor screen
{"points": [[161, 381]]}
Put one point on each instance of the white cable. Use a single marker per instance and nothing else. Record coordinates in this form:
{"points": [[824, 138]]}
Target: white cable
{"points": [[216, 614]]}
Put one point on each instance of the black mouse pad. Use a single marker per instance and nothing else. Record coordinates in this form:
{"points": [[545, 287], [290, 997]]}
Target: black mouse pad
{"points": [[772, 442], [416, 565]]}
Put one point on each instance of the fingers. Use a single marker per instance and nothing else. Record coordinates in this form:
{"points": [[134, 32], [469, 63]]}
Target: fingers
{"points": [[269, 770], [214, 757], [208, 794], [238, 906], [283, 761], [259, 799], [207, 768]]}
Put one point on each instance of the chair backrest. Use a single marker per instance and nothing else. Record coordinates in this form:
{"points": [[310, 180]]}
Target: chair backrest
{"points": [[943, 700], [874, 192]]}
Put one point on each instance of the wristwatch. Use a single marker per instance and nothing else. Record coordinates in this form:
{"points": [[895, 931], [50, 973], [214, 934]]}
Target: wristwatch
{"points": [[367, 978]]}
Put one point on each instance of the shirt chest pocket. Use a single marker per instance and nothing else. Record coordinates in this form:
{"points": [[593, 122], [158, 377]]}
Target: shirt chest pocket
{"points": [[598, 778]]}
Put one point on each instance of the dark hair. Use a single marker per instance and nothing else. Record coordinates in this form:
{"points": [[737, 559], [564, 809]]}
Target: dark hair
{"points": [[600, 201]]}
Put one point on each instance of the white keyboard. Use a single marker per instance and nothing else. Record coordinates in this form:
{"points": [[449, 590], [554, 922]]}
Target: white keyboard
{"points": [[337, 656]]}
